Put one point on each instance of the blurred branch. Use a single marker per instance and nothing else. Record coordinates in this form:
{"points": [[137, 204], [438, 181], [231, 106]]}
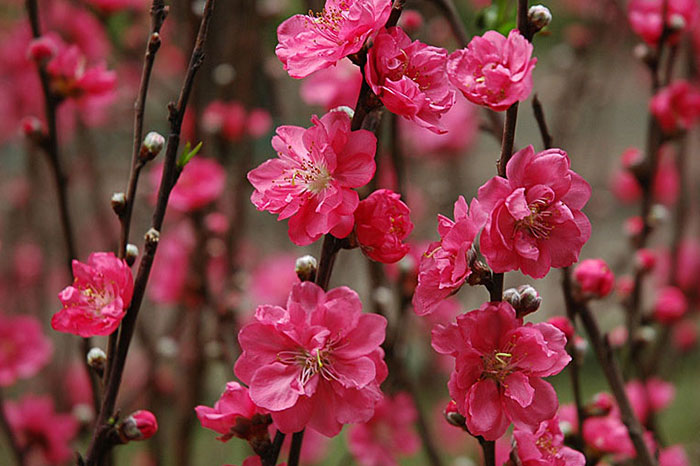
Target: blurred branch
{"points": [[448, 9], [100, 444], [17, 451], [50, 148]]}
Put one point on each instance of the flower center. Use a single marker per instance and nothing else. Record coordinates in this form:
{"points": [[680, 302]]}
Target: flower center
{"points": [[315, 178], [545, 445], [537, 223], [96, 299], [328, 22], [313, 362], [497, 365]]}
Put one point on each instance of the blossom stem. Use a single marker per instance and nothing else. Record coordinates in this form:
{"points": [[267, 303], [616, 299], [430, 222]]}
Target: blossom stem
{"points": [[541, 122], [612, 372], [17, 451], [100, 444], [274, 452], [295, 449], [50, 148], [489, 449]]}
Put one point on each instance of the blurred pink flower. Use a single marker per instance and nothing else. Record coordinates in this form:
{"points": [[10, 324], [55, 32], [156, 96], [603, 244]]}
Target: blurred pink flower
{"points": [[410, 78], [24, 349], [28, 263], [684, 335], [259, 122], [71, 78], [444, 267], [382, 223], [317, 363], [462, 125], [389, 434], [687, 273], [650, 396], [535, 220], [311, 182], [673, 456], [76, 385], [676, 106], [499, 365], [231, 414], [594, 278], [333, 87], [564, 324], [202, 182], [309, 43], [225, 118], [35, 423], [115, 6], [98, 299], [645, 16], [493, 71], [608, 434], [670, 305], [625, 186], [411, 20], [171, 265], [545, 446], [272, 279]]}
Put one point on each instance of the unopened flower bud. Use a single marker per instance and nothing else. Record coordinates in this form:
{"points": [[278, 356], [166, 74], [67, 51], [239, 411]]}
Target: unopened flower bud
{"points": [[118, 202], [140, 425], [152, 236], [645, 334], [580, 348], [97, 359], [132, 252], [658, 215], [530, 300], [643, 53], [41, 50], [645, 260], [512, 297], [539, 17], [33, 129], [305, 268], [344, 108], [594, 278], [152, 145], [453, 416], [83, 412]]}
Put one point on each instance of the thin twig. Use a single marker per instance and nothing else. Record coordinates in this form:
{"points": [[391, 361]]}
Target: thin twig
{"points": [[448, 9], [51, 149], [98, 446], [295, 449], [541, 122]]}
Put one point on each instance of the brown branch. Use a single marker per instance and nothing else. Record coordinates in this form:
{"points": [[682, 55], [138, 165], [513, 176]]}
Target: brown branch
{"points": [[541, 122], [99, 445], [449, 11], [50, 148]]}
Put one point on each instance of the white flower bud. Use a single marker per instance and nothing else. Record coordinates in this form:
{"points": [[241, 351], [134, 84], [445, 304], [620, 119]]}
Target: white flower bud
{"points": [[132, 252], [97, 359], [343, 108], [539, 17], [118, 202], [305, 268], [152, 145]]}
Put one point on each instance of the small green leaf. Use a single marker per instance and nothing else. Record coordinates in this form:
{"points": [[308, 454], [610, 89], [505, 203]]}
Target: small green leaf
{"points": [[188, 154]]}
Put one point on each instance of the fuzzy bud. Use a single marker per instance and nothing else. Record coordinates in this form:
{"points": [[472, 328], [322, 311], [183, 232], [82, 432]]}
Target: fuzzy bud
{"points": [[118, 202], [140, 425], [305, 268], [152, 145], [525, 299], [152, 236], [344, 108], [33, 129], [539, 17], [97, 359], [132, 252], [453, 417], [676, 23]]}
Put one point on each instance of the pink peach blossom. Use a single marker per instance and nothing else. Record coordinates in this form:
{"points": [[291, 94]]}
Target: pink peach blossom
{"points": [[272, 278], [258, 122], [493, 71], [545, 447], [311, 182], [411, 20], [232, 413], [316, 363], [535, 220], [608, 434], [227, 119], [444, 267], [201, 182], [666, 186], [564, 324], [676, 106], [673, 456], [172, 264], [499, 365], [70, 77], [594, 278], [389, 434], [670, 305], [35, 423], [410, 78], [382, 223], [650, 396], [333, 87], [684, 335], [309, 43], [645, 17], [98, 299], [24, 349]]}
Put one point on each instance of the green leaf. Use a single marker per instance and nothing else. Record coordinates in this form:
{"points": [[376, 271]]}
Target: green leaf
{"points": [[188, 154]]}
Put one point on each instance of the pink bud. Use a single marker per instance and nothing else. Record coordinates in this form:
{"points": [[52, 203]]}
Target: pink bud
{"points": [[645, 259], [217, 223], [618, 336], [141, 425], [670, 305], [453, 416], [411, 20], [594, 278], [625, 285], [32, 127], [259, 122], [41, 49], [563, 324]]}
